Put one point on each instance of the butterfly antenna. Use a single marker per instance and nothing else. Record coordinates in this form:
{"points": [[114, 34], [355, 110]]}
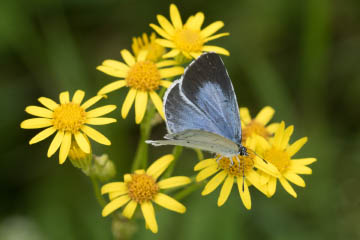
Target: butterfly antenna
{"points": [[257, 155]]}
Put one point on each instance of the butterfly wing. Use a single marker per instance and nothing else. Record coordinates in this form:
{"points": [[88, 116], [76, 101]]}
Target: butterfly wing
{"points": [[207, 85], [200, 139]]}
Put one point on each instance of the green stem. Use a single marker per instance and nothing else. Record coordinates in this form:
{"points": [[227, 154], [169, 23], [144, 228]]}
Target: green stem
{"points": [[176, 152], [97, 191], [187, 191], [199, 154]]}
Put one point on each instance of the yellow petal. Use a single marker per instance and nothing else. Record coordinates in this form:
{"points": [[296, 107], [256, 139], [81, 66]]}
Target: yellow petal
{"points": [[160, 31], [112, 87], [294, 178], [171, 72], [55, 143], [129, 100], [33, 123], [114, 187], [49, 103], [279, 134], [265, 115], [114, 205], [129, 209], [140, 105], [175, 17], [64, 97], [100, 121], [116, 65], [211, 29], [218, 50], [100, 111], [159, 166], [165, 83], [286, 185], [39, 111], [157, 103], [264, 177], [165, 43], [95, 135], [195, 54], [149, 215], [245, 115], [266, 167], [213, 37], [128, 57], [78, 96], [142, 55], [244, 192], [198, 21], [214, 183], [296, 146], [272, 186], [165, 63], [114, 195], [42, 135], [299, 169], [206, 172], [169, 203], [225, 190], [171, 54], [272, 128], [112, 71], [174, 182], [91, 102], [262, 143], [286, 137], [204, 163], [82, 142], [303, 161], [254, 178], [165, 24], [65, 147]]}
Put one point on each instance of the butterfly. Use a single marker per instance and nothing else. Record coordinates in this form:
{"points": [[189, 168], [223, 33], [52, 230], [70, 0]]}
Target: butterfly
{"points": [[201, 110]]}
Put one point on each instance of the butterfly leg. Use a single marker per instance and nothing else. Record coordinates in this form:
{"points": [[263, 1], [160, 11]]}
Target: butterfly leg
{"points": [[219, 158]]}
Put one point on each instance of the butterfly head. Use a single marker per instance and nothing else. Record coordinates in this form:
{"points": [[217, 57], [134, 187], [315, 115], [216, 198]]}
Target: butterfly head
{"points": [[243, 151]]}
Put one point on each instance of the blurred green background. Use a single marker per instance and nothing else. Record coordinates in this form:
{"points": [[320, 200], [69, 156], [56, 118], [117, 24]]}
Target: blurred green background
{"points": [[300, 57]]}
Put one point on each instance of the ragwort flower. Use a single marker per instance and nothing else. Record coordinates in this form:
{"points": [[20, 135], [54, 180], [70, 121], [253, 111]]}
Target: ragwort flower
{"points": [[188, 39], [278, 152], [241, 170], [142, 188], [69, 119], [155, 51], [143, 77]]}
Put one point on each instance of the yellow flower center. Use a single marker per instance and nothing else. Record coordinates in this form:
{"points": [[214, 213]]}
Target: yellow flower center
{"points": [[69, 117], [238, 168], [255, 128], [143, 76], [278, 158], [142, 188], [188, 40]]}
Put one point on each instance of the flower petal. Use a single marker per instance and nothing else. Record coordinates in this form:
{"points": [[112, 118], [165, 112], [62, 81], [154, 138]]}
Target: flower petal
{"points": [[266, 167], [142, 55], [213, 37], [116, 65], [112, 87], [214, 183], [265, 115], [279, 134], [100, 121], [157, 103], [95, 135], [128, 57], [198, 21], [65, 147], [64, 97], [272, 128], [244, 192], [34, 123], [225, 190], [296, 146], [286, 185], [78, 96], [149, 215], [55, 143], [140, 105], [165, 83], [112, 71], [114, 187], [169, 203], [294, 178], [165, 43], [82, 142], [159, 166], [206, 172], [100, 111], [245, 115], [91, 102], [129, 209], [286, 137], [299, 169], [272, 186], [211, 29], [49, 103], [205, 163], [165, 63], [114, 195], [114, 205], [175, 16], [174, 182], [254, 178], [129, 100], [171, 54], [165, 24], [42, 135], [218, 50], [39, 111], [171, 72], [160, 31], [303, 161]]}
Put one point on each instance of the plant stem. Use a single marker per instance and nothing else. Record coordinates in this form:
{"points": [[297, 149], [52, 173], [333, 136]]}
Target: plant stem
{"points": [[97, 191], [187, 191], [199, 154], [176, 152]]}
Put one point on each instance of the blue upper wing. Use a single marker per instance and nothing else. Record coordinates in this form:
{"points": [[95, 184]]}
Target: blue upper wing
{"points": [[207, 85]]}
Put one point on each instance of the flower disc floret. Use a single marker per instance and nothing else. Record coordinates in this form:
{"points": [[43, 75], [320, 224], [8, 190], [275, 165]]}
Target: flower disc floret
{"points": [[69, 117], [237, 168], [188, 40], [143, 76], [142, 188]]}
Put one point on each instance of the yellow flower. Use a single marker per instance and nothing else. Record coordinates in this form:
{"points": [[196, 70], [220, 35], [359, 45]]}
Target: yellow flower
{"points": [[143, 77], [257, 126], [143, 188], [278, 152], [242, 171], [187, 38], [69, 119], [155, 51]]}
